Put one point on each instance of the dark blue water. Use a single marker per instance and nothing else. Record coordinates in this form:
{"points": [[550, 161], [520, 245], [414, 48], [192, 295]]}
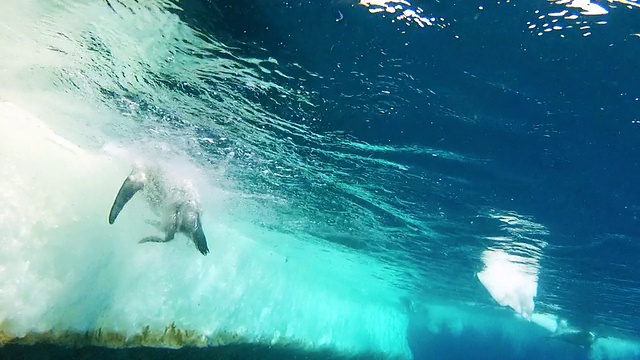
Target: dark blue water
{"points": [[485, 113]]}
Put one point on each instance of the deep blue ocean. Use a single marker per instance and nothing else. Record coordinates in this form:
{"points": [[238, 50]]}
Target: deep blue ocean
{"points": [[482, 113], [434, 137]]}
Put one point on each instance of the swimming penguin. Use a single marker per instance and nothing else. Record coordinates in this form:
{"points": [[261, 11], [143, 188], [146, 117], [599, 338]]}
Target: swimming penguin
{"points": [[573, 335], [176, 203]]}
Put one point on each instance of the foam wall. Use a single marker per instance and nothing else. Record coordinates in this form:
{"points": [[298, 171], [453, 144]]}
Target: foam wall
{"points": [[63, 269]]}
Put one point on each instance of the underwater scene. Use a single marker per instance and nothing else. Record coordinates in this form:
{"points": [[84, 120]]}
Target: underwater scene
{"points": [[319, 179]]}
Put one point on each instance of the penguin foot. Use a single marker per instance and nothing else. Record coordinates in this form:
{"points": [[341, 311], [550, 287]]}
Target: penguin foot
{"points": [[157, 239]]}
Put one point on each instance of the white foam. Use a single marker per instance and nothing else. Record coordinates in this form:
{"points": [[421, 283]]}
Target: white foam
{"points": [[509, 282]]}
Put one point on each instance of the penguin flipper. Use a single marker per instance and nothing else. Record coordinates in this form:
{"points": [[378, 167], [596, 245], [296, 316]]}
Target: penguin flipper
{"points": [[199, 239], [131, 185]]}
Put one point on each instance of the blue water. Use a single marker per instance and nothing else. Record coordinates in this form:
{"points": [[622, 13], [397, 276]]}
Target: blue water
{"points": [[427, 143], [480, 113]]}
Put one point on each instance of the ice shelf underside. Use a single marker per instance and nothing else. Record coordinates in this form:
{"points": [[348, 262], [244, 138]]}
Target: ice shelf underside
{"points": [[223, 345]]}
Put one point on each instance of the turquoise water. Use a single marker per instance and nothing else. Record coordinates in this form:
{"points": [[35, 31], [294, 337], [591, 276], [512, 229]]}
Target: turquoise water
{"points": [[376, 177]]}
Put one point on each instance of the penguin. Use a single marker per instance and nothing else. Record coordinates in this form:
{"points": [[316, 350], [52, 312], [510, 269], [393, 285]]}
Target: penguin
{"points": [[176, 203], [572, 335]]}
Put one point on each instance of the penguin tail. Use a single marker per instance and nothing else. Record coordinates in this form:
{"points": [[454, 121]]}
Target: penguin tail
{"points": [[199, 239]]}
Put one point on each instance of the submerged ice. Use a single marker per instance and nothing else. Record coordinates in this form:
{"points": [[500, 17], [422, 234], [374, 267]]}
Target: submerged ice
{"points": [[65, 270]]}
